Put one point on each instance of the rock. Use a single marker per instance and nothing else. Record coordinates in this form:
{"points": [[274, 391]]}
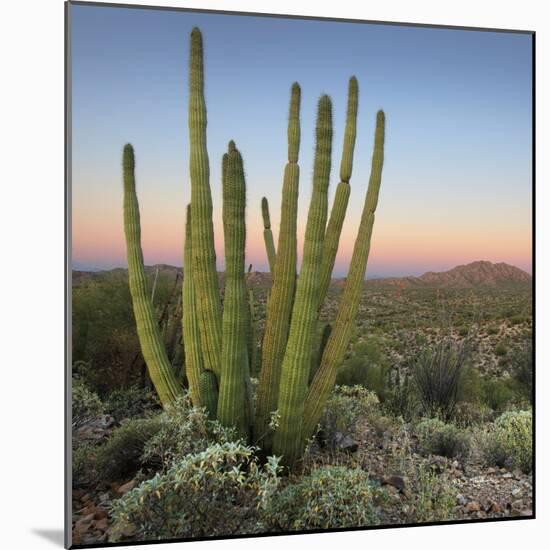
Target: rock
{"points": [[123, 489], [461, 500], [490, 471], [129, 531], [517, 504], [526, 513], [472, 506], [395, 481], [102, 524], [496, 508], [100, 513], [507, 475], [345, 442], [516, 492], [104, 497]]}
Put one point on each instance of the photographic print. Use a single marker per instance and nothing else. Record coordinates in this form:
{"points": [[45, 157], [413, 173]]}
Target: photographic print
{"points": [[301, 274]]}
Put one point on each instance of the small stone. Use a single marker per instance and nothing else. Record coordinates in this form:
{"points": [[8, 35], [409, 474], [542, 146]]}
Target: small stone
{"points": [[102, 524], [395, 481], [516, 492], [507, 475], [526, 513], [461, 499], [123, 489], [517, 504], [104, 497], [496, 508], [490, 471], [129, 531], [472, 506], [100, 513]]}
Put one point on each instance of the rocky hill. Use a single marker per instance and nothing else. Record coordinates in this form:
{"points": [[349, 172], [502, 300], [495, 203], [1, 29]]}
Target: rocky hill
{"points": [[480, 273]]}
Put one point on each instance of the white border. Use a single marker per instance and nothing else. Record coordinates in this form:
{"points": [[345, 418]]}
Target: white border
{"points": [[31, 218]]}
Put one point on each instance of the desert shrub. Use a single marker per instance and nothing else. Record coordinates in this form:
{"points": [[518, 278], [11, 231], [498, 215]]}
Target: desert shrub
{"points": [[367, 366], [497, 393], [438, 438], [500, 349], [330, 497], [83, 464], [345, 406], [183, 430], [216, 492], [521, 363], [472, 413], [492, 330], [86, 404], [433, 497], [130, 402], [510, 442], [437, 373], [121, 455], [401, 398]]}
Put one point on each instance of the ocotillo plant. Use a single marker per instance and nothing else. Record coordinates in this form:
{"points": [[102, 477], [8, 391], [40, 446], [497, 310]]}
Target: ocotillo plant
{"points": [[299, 361]]}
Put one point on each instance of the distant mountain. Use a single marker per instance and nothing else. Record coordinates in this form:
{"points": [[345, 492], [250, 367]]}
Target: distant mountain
{"points": [[480, 273]]}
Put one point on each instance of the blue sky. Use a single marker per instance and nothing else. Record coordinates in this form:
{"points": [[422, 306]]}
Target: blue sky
{"points": [[457, 178]]}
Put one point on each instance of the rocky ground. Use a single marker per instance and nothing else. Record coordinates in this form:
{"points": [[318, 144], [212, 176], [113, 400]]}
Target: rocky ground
{"points": [[390, 458]]}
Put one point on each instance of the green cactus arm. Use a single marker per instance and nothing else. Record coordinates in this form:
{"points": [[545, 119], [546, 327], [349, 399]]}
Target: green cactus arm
{"points": [[150, 341], [296, 363], [279, 305], [190, 324], [268, 236], [208, 385], [341, 198], [205, 277], [320, 344], [232, 410], [324, 379]]}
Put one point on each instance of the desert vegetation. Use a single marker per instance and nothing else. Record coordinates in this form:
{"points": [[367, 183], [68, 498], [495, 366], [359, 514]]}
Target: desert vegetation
{"points": [[210, 404]]}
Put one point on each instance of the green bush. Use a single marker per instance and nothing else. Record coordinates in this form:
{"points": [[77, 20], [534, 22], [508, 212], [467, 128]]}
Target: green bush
{"points": [[130, 402], [433, 499], [121, 455], [330, 497], [500, 349], [368, 366], [438, 438], [84, 464], [345, 406], [217, 492], [498, 393], [183, 430], [510, 442], [86, 404], [521, 362]]}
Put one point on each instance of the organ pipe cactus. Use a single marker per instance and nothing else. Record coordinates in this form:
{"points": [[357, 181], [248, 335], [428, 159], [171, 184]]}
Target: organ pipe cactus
{"points": [[338, 341], [205, 277], [268, 236], [150, 340], [338, 212], [190, 325], [279, 306], [231, 411], [297, 360]]}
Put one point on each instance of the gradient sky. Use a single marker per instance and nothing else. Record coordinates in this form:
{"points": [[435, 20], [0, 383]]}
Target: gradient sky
{"points": [[456, 185]]}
